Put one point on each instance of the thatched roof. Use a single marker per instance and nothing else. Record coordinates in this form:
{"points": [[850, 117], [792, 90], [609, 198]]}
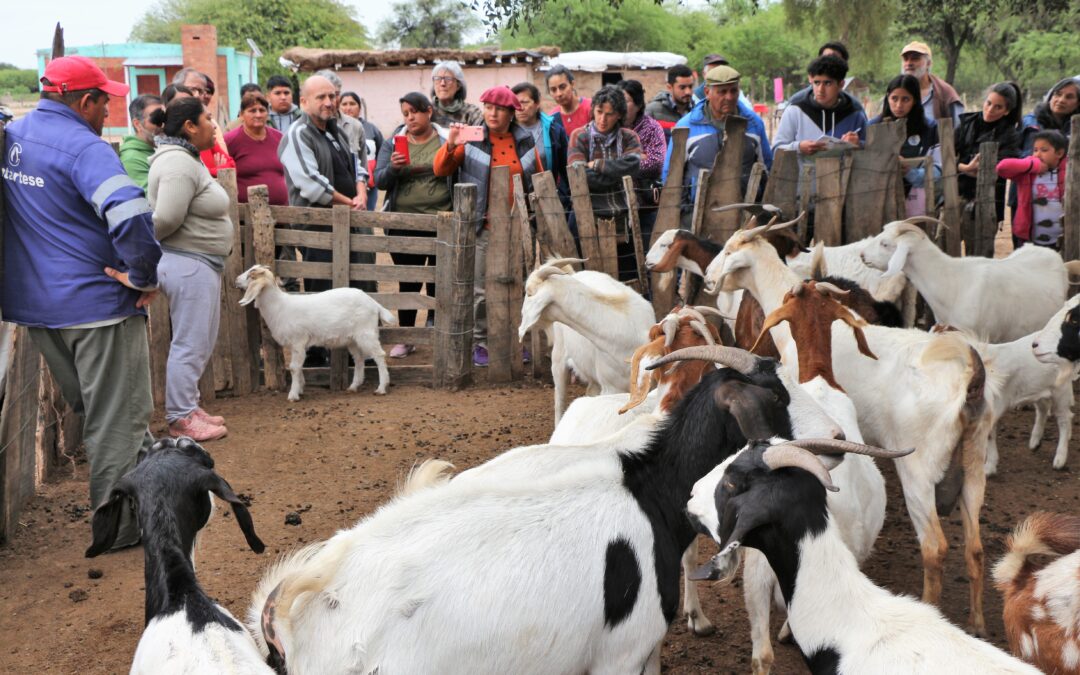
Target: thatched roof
{"points": [[306, 59]]}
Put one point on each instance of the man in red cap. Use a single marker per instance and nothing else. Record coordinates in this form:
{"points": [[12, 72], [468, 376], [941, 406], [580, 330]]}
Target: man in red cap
{"points": [[80, 266]]}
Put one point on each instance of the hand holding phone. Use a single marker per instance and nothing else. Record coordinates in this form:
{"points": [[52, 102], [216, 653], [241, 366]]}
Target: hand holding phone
{"points": [[401, 147], [466, 134]]}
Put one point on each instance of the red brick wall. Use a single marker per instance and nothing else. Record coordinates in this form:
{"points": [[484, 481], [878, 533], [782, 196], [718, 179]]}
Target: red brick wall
{"points": [[114, 70]]}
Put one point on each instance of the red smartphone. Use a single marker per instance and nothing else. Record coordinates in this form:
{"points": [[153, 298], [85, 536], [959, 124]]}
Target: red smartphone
{"points": [[466, 134], [401, 146]]}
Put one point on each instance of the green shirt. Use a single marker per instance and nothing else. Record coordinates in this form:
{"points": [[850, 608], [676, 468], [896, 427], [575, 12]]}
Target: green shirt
{"points": [[423, 191], [135, 156]]}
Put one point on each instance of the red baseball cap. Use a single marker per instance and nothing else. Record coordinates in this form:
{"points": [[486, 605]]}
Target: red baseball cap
{"points": [[76, 73]]}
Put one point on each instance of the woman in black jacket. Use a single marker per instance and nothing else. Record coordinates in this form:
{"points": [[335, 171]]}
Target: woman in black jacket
{"points": [[998, 122]]}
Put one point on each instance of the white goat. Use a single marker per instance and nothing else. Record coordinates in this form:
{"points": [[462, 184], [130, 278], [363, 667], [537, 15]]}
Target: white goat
{"points": [[925, 391], [1017, 377], [859, 508], [186, 631], [610, 321], [340, 317], [994, 300], [547, 559], [771, 496]]}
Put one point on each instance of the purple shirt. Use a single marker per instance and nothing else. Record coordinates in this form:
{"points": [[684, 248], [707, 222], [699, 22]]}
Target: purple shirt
{"points": [[257, 164]]}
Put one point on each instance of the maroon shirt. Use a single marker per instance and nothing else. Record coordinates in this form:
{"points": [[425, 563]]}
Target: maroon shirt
{"points": [[257, 164]]}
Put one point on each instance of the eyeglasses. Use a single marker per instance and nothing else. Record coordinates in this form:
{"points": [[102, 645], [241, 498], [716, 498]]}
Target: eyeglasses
{"points": [[198, 91], [442, 78]]}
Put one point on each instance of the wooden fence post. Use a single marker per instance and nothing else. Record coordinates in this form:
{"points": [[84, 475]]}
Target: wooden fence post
{"points": [[18, 426], [725, 182], [783, 185], [528, 254], [160, 339], [668, 217], [949, 187], [552, 232], [235, 317], [873, 175], [339, 272], [633, 224], [829, 212], [502, 283], [986, 221], [806, 172], [697, 219], [583, 215], [1070, 249], [261, 224], [454, 263], [754, 184]]}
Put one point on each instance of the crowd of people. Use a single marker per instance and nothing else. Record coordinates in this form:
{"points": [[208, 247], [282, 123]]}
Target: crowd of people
{"points": [[91, 237]]}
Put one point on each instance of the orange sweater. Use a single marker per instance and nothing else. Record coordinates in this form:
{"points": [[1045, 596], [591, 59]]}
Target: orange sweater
{"points": [[503, 153]]}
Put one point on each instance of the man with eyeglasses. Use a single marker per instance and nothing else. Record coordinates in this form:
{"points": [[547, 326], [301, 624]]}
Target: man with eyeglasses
{"points": [[202, 88]]}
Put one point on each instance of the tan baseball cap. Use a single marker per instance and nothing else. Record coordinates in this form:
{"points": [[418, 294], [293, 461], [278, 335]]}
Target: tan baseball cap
{"points": [[917, 47], [721, 75]]}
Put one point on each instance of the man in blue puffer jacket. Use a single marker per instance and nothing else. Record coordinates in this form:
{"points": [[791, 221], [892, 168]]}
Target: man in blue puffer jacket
{"points": [[80, 266]]}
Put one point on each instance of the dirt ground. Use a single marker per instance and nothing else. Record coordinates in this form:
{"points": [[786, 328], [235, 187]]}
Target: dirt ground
{"points": [[333, 457]]}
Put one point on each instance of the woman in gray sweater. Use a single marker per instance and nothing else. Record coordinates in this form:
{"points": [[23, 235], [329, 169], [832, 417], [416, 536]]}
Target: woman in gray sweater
{"points": [[191, 220]]}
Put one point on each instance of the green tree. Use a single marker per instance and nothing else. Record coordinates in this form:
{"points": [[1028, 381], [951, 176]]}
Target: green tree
{"points": [[862, 26], [427, 23], [760, 46], [611, 25], [946, 25], [274, 25], [18, 81]]}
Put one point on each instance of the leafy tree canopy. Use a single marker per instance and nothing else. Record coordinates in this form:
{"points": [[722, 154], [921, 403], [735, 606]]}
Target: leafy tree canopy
{"points": [[428, 23]]}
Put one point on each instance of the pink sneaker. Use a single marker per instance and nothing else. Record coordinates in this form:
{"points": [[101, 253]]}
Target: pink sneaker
{"points": [[216, 420], [197, 429], [400, 351]]}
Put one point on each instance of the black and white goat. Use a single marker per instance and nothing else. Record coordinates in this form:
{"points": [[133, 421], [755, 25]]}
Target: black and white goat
{"points": [[564, 560], [186, 631], [771, 497]]}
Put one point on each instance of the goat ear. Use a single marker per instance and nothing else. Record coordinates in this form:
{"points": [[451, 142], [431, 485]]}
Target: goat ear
{"points": [[744, 403], [860, 337], [818, 269], [638, 389], [254, 287], [777, 317], [106, 522], [898, 260], [220, 487]]}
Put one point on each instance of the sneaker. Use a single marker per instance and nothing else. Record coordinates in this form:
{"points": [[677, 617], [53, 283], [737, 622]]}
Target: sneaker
{"points": [[526, 355], [480, 356], [197, 429], [215, 420], [400, 351]]}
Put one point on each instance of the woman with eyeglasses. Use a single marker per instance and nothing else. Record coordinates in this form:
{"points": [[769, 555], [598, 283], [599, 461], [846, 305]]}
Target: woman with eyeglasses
{"points": [[448, 97]]}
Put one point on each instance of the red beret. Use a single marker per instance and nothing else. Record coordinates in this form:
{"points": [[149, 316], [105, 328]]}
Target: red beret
{"points": [[501, 95]]}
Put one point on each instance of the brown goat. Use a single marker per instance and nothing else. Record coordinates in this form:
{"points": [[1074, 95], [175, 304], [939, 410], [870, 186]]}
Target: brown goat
{"points": [[683, 327], [1042, 602], [816, 305]]}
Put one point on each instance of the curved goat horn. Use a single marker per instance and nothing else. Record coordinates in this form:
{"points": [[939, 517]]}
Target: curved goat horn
{"points": [[752, 229], [780, 226], [559, 262], [703, 330], [546, 271], [833, 446], [788, 454], [733, 207], [670, 325], [825, 288], [732, 357]]}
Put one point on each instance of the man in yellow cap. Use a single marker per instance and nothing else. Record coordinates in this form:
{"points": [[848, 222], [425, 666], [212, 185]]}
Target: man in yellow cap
{"points": [[939, 99], [706, 123]]}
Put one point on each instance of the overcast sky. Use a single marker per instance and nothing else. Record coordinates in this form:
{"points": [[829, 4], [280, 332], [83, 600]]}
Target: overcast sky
{"points": [[30, 23]]}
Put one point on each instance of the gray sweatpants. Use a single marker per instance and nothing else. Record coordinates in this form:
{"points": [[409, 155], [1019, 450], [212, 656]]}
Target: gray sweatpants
{"points": [[104, 375], [194, 292], [480, 288]]}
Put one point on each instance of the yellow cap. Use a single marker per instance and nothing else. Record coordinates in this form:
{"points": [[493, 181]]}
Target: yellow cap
{"points": [[917, 47], [721, 75]]}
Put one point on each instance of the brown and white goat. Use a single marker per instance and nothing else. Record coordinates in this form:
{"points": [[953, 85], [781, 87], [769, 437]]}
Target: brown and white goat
{"points": [[1042, 602]]}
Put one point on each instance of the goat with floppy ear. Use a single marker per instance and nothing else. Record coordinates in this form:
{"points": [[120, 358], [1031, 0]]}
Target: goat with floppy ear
{"points": [[185, 631]]}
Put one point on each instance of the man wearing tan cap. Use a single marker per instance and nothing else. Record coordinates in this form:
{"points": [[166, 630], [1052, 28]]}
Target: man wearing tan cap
{"points": [[939, 99], [706, 123]]}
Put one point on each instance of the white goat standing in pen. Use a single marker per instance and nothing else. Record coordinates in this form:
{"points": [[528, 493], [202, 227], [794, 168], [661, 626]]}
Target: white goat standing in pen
{"points": [[593, 323], [340, 317], [994, 300]]}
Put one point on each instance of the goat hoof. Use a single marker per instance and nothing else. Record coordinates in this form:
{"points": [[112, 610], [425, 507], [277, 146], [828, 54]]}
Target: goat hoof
{"points": [[990, 470], [294, 397], [1059, 464], [784, 635], [699, 624], [354, 388], [380, 392], [977, 628]]}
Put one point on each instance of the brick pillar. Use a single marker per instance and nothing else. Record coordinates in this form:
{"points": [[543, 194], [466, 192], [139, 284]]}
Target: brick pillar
{"points": [[199, 47]]}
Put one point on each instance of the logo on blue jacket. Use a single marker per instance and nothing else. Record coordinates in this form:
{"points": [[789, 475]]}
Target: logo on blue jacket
{"points": [[15, 155]]}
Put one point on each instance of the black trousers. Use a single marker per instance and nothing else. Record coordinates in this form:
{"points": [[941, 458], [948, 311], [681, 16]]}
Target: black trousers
{"points": [[407, 317]]}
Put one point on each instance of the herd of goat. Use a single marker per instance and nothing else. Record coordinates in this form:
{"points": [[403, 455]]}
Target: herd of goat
{"points": [[756, 422]]}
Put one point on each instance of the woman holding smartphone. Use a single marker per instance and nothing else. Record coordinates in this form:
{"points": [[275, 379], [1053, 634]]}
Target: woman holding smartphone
{"points": [[404, 171], [500, 142]]}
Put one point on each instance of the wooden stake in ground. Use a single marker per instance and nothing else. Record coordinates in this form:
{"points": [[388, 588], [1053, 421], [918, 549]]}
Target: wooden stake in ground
{"points": [[455, 265]]}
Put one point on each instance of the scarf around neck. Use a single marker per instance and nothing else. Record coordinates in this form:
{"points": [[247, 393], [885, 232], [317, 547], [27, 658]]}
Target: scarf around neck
{"points": [[609, 144], [175, 140], [453, 107]]}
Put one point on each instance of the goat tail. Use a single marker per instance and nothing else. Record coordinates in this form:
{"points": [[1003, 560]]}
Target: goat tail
{"points": [[386, 316], [307, 570], [429, 473], [1041, 533]]}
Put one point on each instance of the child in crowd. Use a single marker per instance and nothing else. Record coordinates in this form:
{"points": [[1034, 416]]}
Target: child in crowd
{"points": [[1040, 190]]}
